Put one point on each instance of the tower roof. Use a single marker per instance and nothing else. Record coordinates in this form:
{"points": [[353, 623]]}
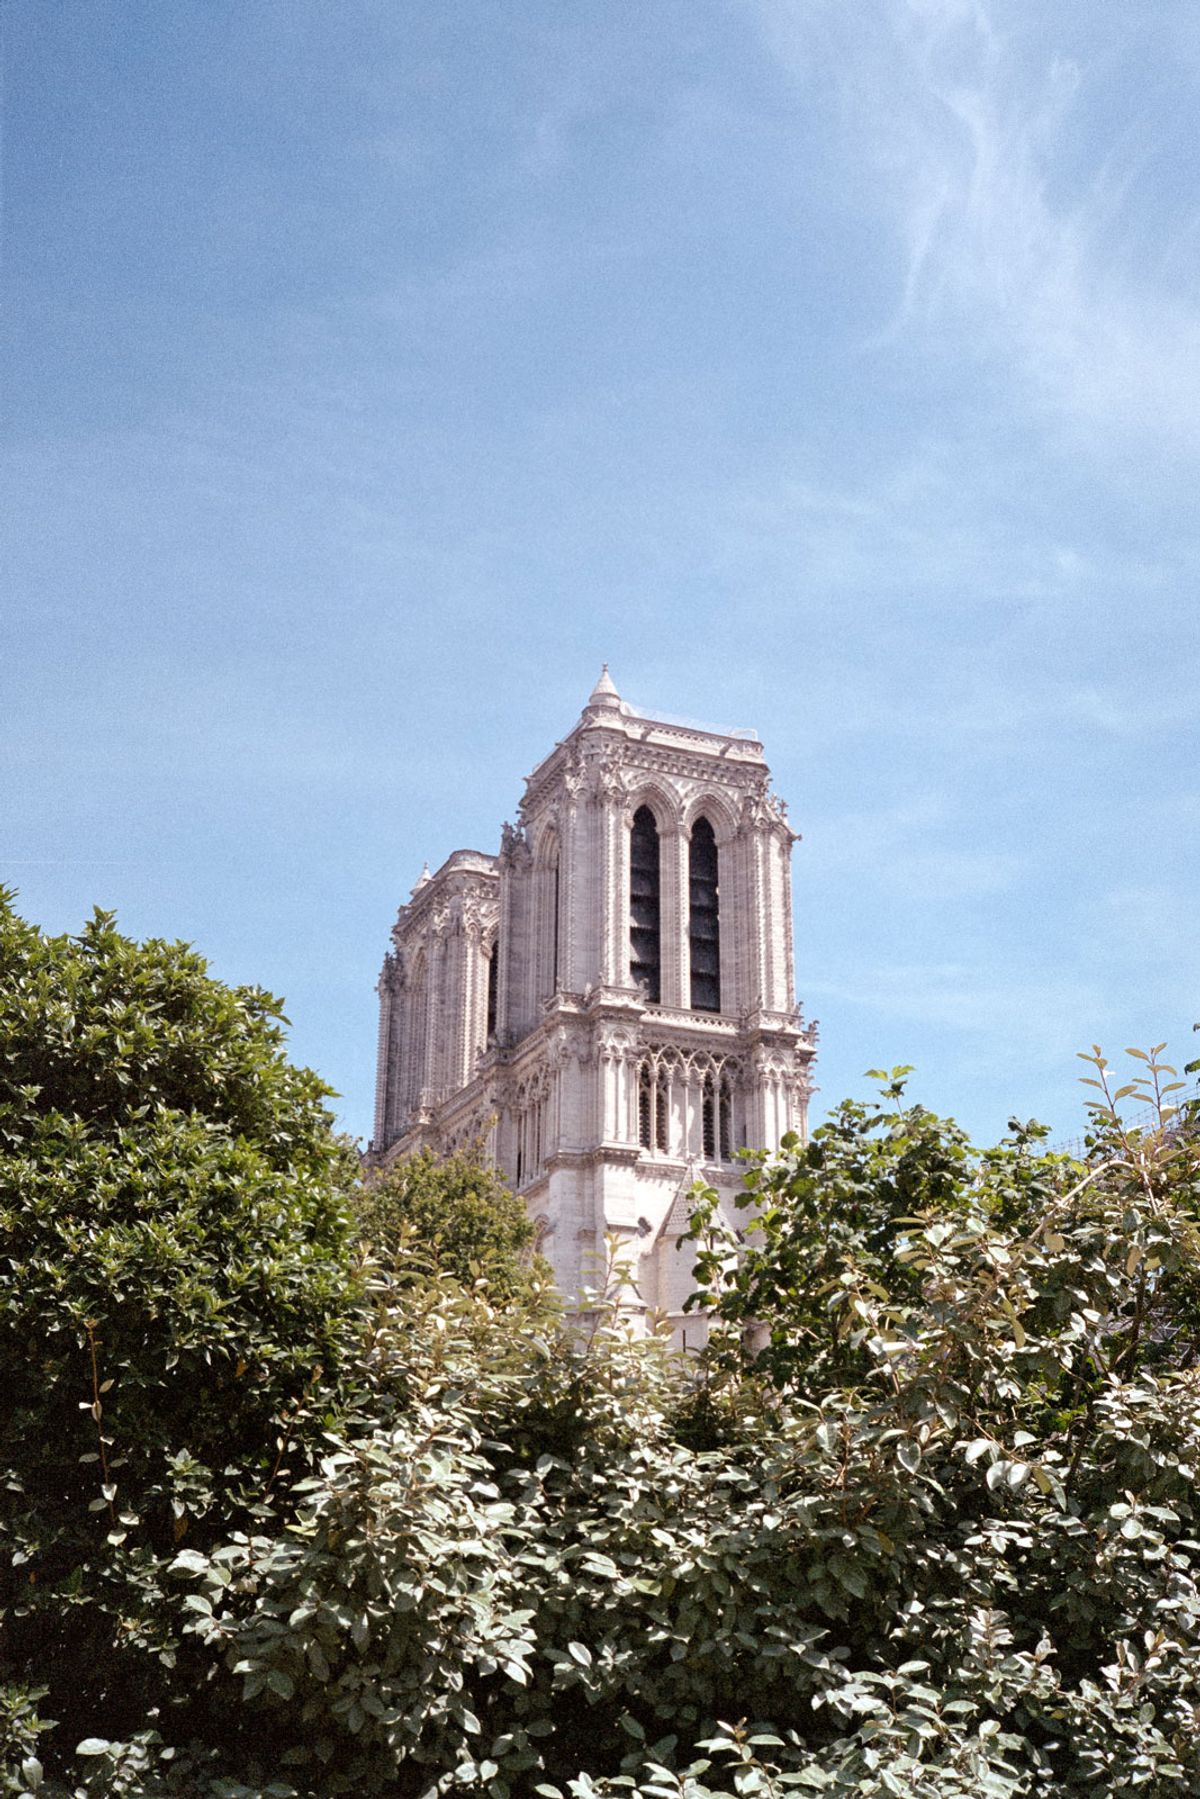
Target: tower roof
{"points": [[604, 693]]}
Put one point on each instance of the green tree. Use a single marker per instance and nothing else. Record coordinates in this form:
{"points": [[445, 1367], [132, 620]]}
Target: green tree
{"points": [[453, 1214], [925, 1527], [177, 1282], [920, 1523]]}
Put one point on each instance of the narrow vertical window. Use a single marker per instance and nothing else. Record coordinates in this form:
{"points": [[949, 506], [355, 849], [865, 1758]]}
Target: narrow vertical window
{"points": [[662, 1113], [546, 925], [645, 1124], [704, 931], [416, 1075], [645, 954], [726, 1119], [708, 1119], [492, 972]]}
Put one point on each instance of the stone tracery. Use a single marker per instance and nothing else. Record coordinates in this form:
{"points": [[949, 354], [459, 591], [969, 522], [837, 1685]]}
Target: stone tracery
{"points": [[510, 1001]]}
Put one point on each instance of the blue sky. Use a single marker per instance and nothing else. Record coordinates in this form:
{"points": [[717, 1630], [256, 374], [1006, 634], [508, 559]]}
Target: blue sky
{"points": [[374, 371]]}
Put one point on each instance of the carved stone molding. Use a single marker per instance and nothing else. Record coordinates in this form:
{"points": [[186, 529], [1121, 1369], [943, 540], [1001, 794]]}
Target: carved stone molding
{"points": [[599, 1107]]}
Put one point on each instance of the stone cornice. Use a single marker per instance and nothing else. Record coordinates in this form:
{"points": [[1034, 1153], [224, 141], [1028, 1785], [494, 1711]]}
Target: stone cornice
{"points": [[647, 746], [474, 881]]}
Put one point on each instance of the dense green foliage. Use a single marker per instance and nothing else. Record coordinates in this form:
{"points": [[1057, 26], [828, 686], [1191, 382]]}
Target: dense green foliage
{"points": [[175, 1269], [455, 1214], [920, 1522]]}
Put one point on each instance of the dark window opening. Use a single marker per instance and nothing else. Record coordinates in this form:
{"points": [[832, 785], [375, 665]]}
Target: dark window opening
{"points": [[654, 1110], [704, 931], [726, 1121], [708, 1119], [492, 972], [645, 955]]}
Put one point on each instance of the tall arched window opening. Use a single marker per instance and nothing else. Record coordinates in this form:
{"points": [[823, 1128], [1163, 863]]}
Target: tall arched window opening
{"points": [[645, 1110], [654, 1108], [416, 1074], [708, 1119], [493, 966], [704, 930], [547, 892], [662, 1112], [645, 951], [725, 1119]]}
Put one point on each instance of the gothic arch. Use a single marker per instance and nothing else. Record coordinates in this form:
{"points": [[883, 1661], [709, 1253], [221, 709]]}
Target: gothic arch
{"points": [[547, 905], [704, 916], [489, 947], [544, 841], [718, 812], [660, 801], [416, 1047], [689, 1102]]}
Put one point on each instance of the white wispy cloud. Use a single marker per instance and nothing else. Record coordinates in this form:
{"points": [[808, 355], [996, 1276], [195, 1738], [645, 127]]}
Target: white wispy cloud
{"points": [[1019, 230]]}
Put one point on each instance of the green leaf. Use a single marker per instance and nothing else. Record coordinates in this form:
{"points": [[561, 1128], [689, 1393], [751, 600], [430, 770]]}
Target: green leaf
{"points": [[908, 1454]]}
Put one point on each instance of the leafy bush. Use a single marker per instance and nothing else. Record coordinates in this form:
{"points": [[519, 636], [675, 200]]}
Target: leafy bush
{"points": [[455, 1215], [175, 1265], [937, 1536], [920, 1522]]}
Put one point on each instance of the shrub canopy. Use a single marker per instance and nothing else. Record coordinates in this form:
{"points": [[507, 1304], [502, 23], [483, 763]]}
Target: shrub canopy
{"points": [[175, 1266], [454, 1215], [920, 1522]]}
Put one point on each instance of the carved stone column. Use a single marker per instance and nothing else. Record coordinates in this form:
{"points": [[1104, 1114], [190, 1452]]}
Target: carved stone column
{"points": [[754, 843], [511, 944], [385, 1122], [609, 793]]}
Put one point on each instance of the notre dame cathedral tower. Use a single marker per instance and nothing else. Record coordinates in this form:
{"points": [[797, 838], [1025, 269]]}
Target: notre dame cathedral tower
{"points": [[609, 1003]]}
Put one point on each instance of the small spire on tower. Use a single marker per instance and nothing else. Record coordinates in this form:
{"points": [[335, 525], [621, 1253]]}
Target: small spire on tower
{"points": [[423, 880], [604, 693]]}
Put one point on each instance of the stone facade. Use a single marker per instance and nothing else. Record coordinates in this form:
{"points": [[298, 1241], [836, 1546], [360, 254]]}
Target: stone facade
{"points": [[609, 1003]]}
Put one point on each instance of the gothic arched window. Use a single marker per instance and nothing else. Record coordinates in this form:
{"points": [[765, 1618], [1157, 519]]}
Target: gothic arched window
{"points": [[645, 1109], [416, 1074], [716, 1116], [704, 930], [493, 969], [654, 1108], [547, 900], [645, 951], [662, 1112]]}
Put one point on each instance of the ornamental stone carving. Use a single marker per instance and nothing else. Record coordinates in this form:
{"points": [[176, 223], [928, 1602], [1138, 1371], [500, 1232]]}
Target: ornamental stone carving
{"points": [[617, 1026]]}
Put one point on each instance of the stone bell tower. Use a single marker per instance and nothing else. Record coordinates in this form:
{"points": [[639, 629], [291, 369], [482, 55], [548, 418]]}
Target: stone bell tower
{"points": [[610, 1001]]}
